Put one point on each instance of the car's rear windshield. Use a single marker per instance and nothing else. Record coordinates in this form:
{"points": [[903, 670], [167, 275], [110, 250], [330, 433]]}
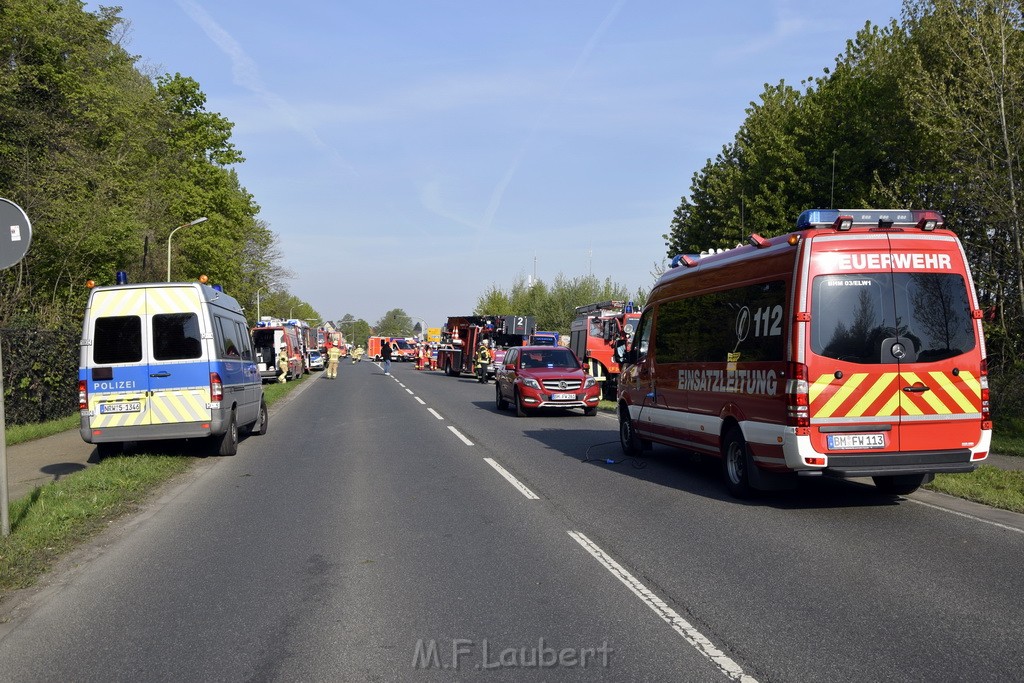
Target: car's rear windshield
{"points": [[860, 318]]}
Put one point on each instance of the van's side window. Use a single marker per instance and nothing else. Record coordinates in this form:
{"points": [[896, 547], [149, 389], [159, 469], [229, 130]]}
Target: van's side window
{"points": [[244, 343], [117, 339], [176, 336], [711, 328], [226, 334]]}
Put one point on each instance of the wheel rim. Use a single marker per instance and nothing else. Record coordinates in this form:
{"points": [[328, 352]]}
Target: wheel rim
{"points": [[734, 463], [626, 433]]}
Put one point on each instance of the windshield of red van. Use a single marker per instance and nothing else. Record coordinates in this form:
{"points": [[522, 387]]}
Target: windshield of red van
{"points": [[859, 318]]}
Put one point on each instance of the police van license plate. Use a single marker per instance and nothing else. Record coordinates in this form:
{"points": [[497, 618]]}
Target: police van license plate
{"points": [[128, 407], [837, 442], [563, 397]]}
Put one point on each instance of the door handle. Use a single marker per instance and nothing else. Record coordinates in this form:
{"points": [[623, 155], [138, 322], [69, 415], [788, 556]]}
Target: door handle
{"points": [[917, 389], [160, 374]]}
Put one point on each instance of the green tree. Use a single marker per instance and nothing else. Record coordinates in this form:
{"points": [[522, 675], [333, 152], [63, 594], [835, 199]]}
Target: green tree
{"points": [[969, 98], [394, 323]]}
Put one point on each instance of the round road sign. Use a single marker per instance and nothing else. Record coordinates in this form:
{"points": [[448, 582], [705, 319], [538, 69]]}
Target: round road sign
{"points": [[15, 233]]}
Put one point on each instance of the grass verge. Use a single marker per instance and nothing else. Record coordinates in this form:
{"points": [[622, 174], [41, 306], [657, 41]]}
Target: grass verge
{"points": [[54, 518], [22, 433], [988, 485]]}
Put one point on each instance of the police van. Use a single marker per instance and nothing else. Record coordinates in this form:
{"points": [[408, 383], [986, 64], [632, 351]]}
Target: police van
{"points": [[852, 347], [167, 361]]}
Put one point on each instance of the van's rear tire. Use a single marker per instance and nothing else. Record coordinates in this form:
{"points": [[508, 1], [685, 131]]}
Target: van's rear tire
{"points": [[899, 484], [630, 441], [228, 441], [736, 464]]}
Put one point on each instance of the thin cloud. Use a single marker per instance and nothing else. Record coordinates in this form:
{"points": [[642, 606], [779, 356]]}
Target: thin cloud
{"points": [[498, 194], [247, 75]]}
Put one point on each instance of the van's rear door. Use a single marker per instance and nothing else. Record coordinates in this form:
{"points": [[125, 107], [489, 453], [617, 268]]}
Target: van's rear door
{"points": [[895, 357], [937, 344], [179, 366], [117, 372]]}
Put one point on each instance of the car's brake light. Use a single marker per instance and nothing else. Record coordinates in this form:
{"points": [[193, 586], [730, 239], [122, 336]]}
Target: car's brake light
{"points": [[83, 395], [216, 387]]}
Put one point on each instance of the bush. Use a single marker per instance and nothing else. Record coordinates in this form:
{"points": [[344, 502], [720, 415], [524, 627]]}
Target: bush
{"points": [[40, 374]]}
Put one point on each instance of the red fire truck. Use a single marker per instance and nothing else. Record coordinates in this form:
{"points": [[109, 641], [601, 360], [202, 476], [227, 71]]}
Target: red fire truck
{"points": [[852, 347], [594, 334], [462, 334]]}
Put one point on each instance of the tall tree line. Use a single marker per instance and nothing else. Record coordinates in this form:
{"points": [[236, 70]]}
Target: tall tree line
{"points": [[924, 113], [106, 161]]}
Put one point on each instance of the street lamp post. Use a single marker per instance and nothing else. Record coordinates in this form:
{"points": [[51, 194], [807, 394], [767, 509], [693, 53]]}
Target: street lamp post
{"points": [[258, 318], [185, 225], [423, 325]]}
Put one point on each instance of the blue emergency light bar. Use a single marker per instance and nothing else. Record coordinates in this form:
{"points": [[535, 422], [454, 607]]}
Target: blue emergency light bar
{"points": [[825, 218]]}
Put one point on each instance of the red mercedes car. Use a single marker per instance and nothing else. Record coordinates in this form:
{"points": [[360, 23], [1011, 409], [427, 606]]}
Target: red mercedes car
{"points": [[535, 377]]}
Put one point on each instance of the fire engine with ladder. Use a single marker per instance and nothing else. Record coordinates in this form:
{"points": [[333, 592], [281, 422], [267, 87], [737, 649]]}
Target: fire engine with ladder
{"points": [[594, 333], [462, 334]]}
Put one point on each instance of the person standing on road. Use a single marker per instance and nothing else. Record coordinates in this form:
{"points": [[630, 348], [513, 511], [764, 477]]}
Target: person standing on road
{"points": [[385, 357], [333, 355], [483, 361]]}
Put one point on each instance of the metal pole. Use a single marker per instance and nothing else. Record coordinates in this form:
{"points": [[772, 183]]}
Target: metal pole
{"points": [[5, 520], [185, 225]]}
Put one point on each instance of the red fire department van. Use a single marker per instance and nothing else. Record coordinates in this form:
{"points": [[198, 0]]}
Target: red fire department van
{"points": [[852, 347]]}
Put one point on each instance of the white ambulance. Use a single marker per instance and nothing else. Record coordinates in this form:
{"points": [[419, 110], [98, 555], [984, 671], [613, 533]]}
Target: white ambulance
{"points": [[167, 361], [852, 347]]}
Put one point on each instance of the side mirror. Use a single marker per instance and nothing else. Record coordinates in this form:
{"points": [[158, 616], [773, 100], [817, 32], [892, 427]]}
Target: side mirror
{"points": [[620, 354]]}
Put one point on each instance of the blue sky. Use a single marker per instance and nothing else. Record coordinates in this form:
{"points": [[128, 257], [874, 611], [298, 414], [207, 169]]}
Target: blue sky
{"points": [[411, 154]]}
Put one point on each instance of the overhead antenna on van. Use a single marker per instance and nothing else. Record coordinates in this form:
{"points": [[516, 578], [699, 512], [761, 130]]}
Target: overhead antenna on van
{"points": [[832, 194]]}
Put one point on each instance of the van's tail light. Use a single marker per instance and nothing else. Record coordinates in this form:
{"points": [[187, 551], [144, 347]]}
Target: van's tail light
{"points": [[83, 396], [216, 387], [986, 415], [798, 411]]}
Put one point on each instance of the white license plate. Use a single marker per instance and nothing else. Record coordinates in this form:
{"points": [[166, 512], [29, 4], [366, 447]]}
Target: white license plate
{"points": [[563, 397], [128, 407], [839, 442]]}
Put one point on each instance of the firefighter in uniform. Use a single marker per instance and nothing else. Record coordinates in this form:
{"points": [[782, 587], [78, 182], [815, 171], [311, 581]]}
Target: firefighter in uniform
{"points": [[333, 355], [282, 365], [483, 360], [357, 355]]}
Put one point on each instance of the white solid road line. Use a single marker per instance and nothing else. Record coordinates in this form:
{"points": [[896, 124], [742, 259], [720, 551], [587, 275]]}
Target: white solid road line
{"points": [[512, 480], [694, 637]]}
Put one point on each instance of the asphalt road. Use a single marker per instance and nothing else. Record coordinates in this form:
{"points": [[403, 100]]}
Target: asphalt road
{"points": [[395, 528]]}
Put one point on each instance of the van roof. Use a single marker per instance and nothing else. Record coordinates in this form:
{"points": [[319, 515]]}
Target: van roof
{"points": [[209, 294]]}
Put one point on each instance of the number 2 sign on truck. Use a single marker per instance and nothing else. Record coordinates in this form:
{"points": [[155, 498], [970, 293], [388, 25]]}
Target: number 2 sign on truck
{"points": [[852, 347]]}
